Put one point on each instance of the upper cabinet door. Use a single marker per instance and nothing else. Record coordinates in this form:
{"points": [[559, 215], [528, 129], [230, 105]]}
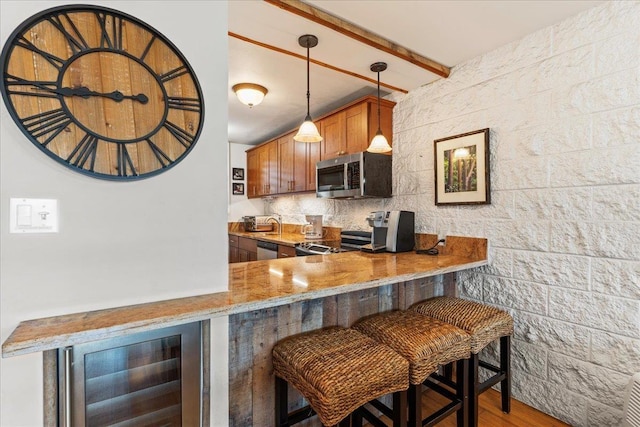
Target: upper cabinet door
{"points": [[312, 157], [292, 165], [253, 174], [357, 131], [333, 132]]}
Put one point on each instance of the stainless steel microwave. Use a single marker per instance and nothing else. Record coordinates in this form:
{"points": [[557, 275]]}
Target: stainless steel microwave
{"points": [[354, 176]]}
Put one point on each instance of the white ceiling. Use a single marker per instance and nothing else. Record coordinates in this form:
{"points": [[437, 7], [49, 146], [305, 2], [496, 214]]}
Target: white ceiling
{"points": [[448, 32]]}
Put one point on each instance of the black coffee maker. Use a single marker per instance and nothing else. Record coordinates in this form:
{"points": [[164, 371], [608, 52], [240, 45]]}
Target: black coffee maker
{"points": [[393, 231]]}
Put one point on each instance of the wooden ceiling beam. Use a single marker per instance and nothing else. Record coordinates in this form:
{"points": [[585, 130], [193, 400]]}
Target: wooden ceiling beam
{"points": [[358, 33], [314, 61]]}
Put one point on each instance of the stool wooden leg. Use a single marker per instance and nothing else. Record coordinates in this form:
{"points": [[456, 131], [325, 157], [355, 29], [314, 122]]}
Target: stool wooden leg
{"points": [[474, 389], [400, 409], [462, 391], [414, 397], [505, 366], [346, 422], [282, 406], [357, 419], [447, 371]]}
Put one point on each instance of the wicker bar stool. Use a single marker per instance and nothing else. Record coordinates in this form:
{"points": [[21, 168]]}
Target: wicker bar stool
{"points": [[485, 324], [426, 343], [338, 370]]}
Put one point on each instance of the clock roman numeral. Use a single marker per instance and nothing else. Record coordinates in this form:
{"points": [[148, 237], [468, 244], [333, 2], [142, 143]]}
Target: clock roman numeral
{"points": [[51, 121], [148, 48], [125, 164], [43, 89], [186, 104], [75, 41], [160, 155], [86, 149], [183, 137], [111, 39], [176, 72], [53, 60]]}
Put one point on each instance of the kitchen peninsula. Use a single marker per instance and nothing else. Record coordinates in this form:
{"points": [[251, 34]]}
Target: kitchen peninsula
{"points": [[267, 301]]}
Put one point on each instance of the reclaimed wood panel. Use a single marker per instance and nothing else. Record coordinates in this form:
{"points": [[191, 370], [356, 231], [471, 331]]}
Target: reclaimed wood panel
{"points": [[253, 335]]}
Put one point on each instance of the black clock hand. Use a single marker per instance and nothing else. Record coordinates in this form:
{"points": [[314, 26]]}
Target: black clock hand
{"points": [[85, 92]]}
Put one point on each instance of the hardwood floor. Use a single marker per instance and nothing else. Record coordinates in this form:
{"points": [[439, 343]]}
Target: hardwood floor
{"points": [[490, 414]]}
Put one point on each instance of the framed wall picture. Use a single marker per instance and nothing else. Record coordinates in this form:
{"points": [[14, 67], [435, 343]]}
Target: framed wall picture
{"points": [[237, 174], [462, 169], [237, 189]]}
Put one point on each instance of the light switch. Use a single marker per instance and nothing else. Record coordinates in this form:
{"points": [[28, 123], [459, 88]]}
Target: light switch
{"points": [[24, 215], [33, 216]]}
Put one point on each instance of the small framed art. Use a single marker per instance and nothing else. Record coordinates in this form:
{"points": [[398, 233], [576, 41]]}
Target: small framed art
{"points": [[237, 188], [462, 169], [237, 174]]}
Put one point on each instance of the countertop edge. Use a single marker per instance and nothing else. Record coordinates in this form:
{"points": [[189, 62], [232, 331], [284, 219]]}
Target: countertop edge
{"points": [[16, 347]]}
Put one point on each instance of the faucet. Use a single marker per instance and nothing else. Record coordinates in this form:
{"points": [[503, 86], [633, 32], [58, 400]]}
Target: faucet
{"points": [[278, 219]]}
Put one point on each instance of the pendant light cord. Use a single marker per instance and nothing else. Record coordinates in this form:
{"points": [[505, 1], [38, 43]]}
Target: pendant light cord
{"points": [[309, 93], [379, 129]]}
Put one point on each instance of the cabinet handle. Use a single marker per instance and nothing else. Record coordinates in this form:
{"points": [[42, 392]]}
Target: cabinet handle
{"points": [[283, 255]]}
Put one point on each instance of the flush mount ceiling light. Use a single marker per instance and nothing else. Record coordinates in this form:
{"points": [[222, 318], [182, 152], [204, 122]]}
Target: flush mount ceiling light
{"points": [[379, 143], [308, 131], [250, 93]]}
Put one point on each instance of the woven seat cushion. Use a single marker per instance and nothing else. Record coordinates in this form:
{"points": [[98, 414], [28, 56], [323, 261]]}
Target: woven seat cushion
{"points": [[483, 322], [338, 370], [425, 342]]}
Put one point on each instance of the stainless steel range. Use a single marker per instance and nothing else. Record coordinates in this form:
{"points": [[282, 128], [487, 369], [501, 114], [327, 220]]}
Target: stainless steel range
{"points": [[349, 241]]}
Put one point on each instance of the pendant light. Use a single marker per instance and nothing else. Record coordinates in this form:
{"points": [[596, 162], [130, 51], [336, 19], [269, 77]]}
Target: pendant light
{"points": [[308, 131], [379, 143]]}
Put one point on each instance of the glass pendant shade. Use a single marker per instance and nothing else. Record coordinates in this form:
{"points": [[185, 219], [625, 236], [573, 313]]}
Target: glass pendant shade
{"points": [[250, 93], [379, 144], [308, 132]]}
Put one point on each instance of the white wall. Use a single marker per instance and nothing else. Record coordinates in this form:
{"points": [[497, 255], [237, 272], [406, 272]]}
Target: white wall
{"points": [[119, 243], [563, 105], [241, 205]]}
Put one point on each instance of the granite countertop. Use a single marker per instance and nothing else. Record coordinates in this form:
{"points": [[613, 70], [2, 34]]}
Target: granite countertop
{"points": [[291, 234], [252, 286]]}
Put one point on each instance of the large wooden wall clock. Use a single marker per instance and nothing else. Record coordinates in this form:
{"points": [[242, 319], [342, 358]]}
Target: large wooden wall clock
{"points": [[101, 92]]}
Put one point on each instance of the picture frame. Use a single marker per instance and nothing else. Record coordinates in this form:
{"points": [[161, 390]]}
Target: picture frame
{"points": [[237, 188], [462, 169], [237, 174]]}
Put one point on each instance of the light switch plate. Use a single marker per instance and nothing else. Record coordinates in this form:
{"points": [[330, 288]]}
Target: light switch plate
{"points": [[33, 215]]}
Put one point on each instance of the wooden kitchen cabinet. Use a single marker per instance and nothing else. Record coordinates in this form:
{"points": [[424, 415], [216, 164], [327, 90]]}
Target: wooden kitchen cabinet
{"points": [[292, 164], [283, 166], [312, 157], [333, 132], [352, 129], [286, 251], [233, 248], [242, 249], [356, 129], [268, 164], [262, 170], [253, 174]]}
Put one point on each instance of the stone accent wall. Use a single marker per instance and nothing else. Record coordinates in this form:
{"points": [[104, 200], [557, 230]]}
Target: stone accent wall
{"points": [[563, 106]]}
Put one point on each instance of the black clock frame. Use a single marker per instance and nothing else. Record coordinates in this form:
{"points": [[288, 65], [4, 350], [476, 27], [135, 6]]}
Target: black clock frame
{"points": [[123, 158]]}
